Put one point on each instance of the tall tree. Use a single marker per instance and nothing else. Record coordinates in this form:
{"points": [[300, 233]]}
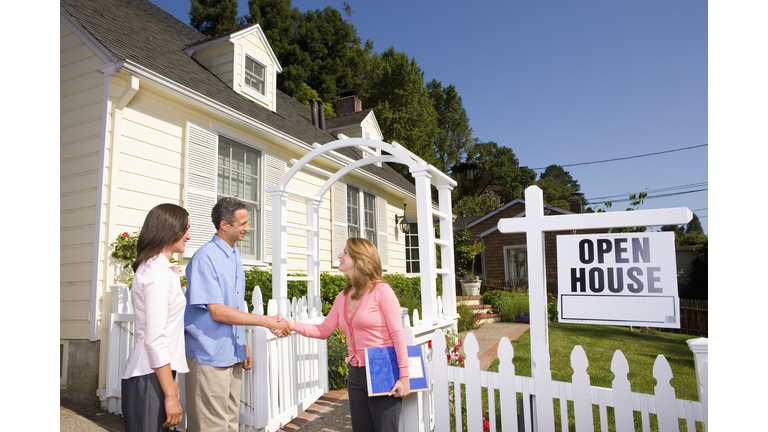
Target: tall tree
{"points": [[558, 174], [393, 85], [213, 17], [507, 176], [455, 135], [555, 193], [477, 205]]}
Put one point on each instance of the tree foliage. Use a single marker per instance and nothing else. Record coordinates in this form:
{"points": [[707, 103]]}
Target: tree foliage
{"points": [[555, 193], [481, 205], [561, 176], [393, 85], [455, 134], [508, 177], [213, 17]]}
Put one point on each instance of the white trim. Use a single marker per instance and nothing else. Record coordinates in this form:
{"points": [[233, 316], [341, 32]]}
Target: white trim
{"points": [[234, 37], [521, 214]]}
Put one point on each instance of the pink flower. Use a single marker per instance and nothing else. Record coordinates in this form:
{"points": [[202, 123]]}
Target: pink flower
{"points": [[449, 357], [460, 359], [430, 344], [126, 234]]}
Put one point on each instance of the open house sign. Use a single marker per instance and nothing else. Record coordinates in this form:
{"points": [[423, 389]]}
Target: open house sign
{"points": [[627, 279]]}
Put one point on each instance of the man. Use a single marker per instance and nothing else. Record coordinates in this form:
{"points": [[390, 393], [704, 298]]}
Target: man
{"points": [[214, 317]]}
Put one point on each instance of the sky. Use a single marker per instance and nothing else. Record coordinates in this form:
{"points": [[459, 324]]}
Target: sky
{"points": [[566, 83]]}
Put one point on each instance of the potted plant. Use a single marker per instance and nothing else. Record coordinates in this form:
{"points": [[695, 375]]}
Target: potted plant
{"points": [[470, 283]]}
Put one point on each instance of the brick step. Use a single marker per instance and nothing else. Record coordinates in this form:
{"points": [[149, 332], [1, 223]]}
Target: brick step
{"points": [[490, 319]]}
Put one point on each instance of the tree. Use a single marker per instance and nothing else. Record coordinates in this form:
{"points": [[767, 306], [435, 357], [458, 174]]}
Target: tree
{"points": [[305, 94], [690, 235], [555, 193], [213, 17], [393, 85], [455, 134], [561, 176], [507, 176], [477, 205]]}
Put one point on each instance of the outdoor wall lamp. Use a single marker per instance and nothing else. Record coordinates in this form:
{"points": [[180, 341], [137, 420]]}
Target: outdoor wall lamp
{"points": [[402, 223]]}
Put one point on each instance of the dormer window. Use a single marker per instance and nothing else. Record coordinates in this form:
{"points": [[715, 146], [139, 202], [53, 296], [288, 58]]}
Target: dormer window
{"points": [[254, 75]]}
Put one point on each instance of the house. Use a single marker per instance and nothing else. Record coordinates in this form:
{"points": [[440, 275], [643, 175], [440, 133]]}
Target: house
{"points": [[153, 111], [504, 257]]}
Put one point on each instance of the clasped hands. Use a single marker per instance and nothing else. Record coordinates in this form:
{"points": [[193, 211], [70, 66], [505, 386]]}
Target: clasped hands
{"points": [[282, 326]]}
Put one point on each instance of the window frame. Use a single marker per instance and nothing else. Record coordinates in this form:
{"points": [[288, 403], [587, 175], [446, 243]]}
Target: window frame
{"points": [[259, 225], [247, 88], [362, 229], [409, 260], [506, 262]]}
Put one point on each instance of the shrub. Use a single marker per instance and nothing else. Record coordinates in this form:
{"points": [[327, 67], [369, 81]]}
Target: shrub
{"points": [[495, 297], [337, 367], [467, 318], [552, 307], [514, 308]]}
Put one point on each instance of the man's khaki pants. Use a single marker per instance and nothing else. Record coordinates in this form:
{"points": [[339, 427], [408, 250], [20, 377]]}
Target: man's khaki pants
{"points": [[213, 397]]}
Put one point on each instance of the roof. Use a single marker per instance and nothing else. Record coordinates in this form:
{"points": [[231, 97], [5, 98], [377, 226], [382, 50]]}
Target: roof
{"points": [[346, 120], [142, 33]]}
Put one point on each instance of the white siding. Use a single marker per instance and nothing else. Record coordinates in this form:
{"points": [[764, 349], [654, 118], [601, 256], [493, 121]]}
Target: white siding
{"points": [[80, 101]]}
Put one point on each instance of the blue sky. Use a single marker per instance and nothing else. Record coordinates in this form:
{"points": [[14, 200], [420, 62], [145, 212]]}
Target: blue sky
{"points": [[564, 82]]}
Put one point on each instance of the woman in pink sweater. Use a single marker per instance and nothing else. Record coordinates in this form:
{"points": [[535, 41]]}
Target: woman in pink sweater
{"points": [[368, 313]]}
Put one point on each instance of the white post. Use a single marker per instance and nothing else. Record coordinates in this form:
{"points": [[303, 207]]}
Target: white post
{"points": [[447, 264], [313, 246], [426, 245], [279, 244], [700, 348]]}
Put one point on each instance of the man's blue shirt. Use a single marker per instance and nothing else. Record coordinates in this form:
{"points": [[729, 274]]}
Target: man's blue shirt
{"points": [[214, 276]]}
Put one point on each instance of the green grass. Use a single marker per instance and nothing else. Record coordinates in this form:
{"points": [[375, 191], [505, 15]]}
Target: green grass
{"points": [[600, 342]]}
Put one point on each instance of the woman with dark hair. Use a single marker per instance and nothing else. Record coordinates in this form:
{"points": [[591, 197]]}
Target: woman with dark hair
{"points": [[368, 313], [150, 395]]}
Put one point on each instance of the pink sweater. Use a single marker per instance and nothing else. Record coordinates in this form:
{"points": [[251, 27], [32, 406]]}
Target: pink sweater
{"points": [[375, 322]]}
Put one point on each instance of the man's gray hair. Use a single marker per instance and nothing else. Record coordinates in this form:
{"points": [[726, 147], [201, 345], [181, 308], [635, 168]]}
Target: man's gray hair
{"points": [[225, 210]]}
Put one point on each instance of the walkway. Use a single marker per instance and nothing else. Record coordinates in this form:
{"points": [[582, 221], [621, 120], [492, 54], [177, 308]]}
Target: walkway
{"points": [[330, 413]]}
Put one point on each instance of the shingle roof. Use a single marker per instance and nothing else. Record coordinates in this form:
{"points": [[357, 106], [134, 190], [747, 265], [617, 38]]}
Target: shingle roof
{"points": [[141, 32], [347, 119]]}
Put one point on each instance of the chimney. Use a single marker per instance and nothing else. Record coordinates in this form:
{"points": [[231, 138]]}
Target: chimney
{"points": [[575, 202], [321, 115], [313, 109], [348, 103]]}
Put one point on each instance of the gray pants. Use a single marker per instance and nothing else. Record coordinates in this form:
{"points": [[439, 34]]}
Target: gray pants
{"points": [[377, 413], [143, 404]]}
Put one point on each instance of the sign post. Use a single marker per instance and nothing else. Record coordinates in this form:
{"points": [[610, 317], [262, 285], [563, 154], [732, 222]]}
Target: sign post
{"points": [[534, 224]]}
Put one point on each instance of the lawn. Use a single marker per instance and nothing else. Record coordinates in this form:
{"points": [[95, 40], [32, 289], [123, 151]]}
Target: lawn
{"points": [[640, 347]]}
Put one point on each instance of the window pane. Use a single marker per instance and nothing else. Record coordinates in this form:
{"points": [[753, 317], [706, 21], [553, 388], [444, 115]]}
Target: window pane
{"points": [[224, 150], [352, 231], [352, 208], [222, 182], [238, 158], [251, 187], [237, 184]]}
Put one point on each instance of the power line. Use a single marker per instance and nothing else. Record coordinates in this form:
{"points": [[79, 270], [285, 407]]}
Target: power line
{"points": [[652, 196], [628, 157], [666, 189]]}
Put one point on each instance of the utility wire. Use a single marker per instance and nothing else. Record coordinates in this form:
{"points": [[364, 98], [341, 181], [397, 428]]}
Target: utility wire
{"points": [[667, 189], [628, 157], [650, 196]]}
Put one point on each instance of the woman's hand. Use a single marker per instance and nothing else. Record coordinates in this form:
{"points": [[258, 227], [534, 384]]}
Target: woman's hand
{"points": [[402, 388], [281, 333]]}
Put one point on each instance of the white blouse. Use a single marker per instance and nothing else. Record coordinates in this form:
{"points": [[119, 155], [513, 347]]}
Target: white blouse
{"points": [[158, 303]]}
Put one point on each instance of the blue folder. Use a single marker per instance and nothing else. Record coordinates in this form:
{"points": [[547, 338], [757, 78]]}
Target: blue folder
{"points": [[382, 371]]}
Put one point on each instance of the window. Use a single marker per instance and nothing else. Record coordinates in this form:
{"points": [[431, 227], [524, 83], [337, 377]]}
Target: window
{"points": [[367, 216], [516, 263], [238, 176], [253, 75], [412, 249]]}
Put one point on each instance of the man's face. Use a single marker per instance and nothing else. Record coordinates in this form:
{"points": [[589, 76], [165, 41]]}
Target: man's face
{"points": [[237, 230]]}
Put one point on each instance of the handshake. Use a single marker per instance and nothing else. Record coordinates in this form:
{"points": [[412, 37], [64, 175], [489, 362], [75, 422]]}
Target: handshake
{"points": [[281, 326]]}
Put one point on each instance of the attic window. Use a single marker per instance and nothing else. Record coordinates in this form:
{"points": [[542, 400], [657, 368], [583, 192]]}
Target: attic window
{"points": [[254, 74]]}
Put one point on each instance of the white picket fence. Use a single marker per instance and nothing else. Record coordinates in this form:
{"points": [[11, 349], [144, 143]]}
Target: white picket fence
{"points": [[541, 396], [289, 374]]}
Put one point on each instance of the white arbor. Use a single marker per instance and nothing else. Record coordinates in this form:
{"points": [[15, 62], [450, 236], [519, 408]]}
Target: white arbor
{"points": [[434, 314]]}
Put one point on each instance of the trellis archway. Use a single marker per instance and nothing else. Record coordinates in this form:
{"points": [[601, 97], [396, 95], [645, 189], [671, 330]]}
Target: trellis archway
{"points": [[425, 176]]}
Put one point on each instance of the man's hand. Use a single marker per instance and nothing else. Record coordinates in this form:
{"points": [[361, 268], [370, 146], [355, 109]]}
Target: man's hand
{"points": [[248, 362], [280, 326]]}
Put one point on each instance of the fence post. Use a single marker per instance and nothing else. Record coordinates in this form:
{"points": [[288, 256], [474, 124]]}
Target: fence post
{"points": [[700, 348]]}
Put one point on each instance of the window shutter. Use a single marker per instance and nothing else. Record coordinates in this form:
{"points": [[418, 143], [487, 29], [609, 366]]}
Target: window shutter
{"points": [[274, 172], [383, 246], [199, 185], [339, 217]]}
